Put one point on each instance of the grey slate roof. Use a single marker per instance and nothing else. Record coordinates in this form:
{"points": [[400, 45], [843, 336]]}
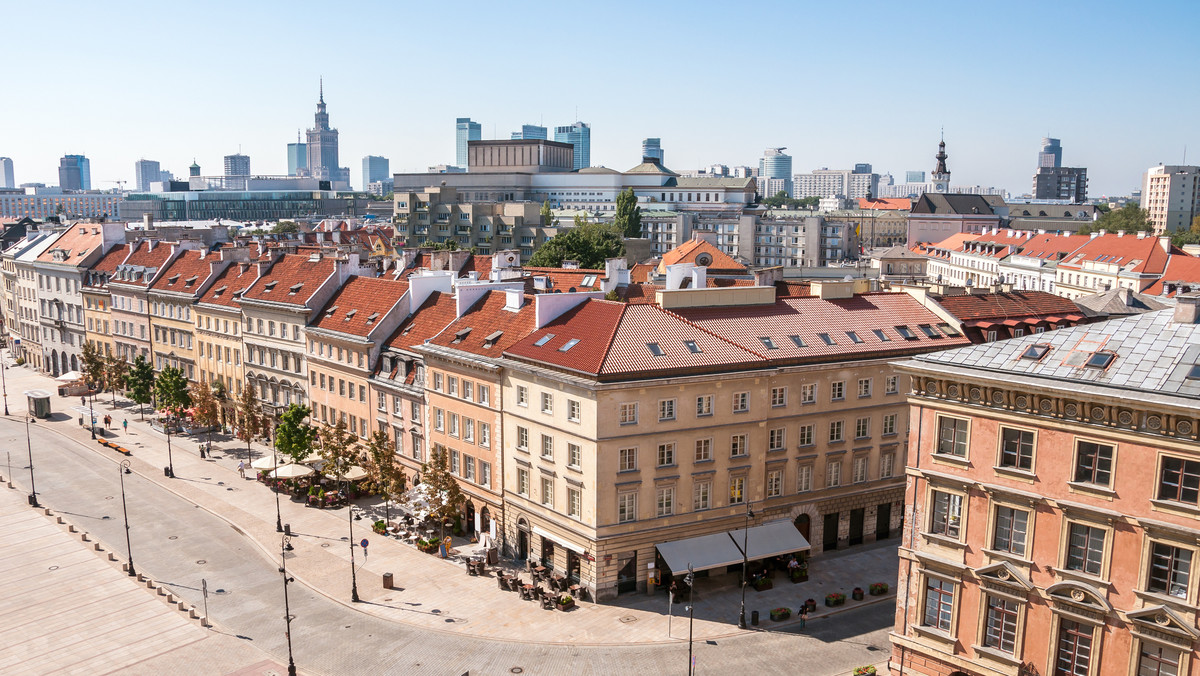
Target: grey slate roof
{"points": [[955, 203], [1120, 301], [1153, 355]]}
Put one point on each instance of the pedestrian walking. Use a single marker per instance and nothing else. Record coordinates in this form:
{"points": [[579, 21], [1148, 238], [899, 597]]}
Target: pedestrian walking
{"points": [[107, 421], [125, 424], [83, 401], [803, 616], [242, 468]]}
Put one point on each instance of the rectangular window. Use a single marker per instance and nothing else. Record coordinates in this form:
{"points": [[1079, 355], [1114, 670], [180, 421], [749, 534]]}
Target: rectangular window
{"points": [[952, 436], [862, 428], [1010, 530], [523, 438], [1157, 660], [808, 393], [454, 463], [737, 445], [485, 395], [837, 431], [837, 390], [703, 450], [666, 454], [485, 434], [860, 469], [627, 459], [891, 385], [774, 483], [889, 424], [947, 514], [548, 491], [775, 439], [439, 422], [666, 409], [1179, 480], [626, 507], [437, 382], [939, 603], [547, 447], [833, 473], [701, 495], [1001, 630], [864, 387], [627, 413], [468, 430], [741, 402], [451, 381], [1016, 448], [574, 455], [1093, 463], [468, 468], [887, 463], [1169, 569], [664, 499], [573, 410], [1073, 656], [805, 438], [454, 424], [547, 403], [574, 503], [704, 405], [803, 478], [1085, 549], [522, 395], [778, 397], [737, 490]]}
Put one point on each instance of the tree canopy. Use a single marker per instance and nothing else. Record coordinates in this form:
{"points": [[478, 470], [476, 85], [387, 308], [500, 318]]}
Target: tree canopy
{"points": [[588, 243], [294, 437], [547, 215], [92, 360], [115, 370], [171, 390], [285, 227], [1129, 218], [629, 215], [251, 422], [444, 492], [140, 382], [781, 199]]}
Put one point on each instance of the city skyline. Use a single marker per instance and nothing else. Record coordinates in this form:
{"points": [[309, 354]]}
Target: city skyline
{"points": [[992, 139]]}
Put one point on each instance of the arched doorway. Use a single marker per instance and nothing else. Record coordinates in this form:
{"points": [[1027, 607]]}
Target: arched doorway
{"points": [[485, 520], [802, 524], [74, 363], [469, 526], [64, 362], [54, 363], [522, 539]]}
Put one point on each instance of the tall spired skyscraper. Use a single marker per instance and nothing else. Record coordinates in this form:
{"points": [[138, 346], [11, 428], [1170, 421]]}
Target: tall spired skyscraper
{"points": [[323, 145]]}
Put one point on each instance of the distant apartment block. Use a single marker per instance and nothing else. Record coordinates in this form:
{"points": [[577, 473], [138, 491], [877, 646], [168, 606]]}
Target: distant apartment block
{"points": [[836, 183], [6, 173], [374, 168], [146, 172], [74, 173], [1171, 195]]}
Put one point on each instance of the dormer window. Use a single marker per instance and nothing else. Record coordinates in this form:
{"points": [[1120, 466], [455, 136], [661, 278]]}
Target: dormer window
{"points": [[173, 279], [191, 280], [331, 310], [372, 317], [491, 338], [293, 289], [460, 336], [269, 286], [351, 313], [219, 290]]}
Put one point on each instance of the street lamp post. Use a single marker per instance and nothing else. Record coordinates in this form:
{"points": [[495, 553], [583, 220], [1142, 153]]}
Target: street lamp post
{"points": [[92, 410], [287, 610], [124, 469], [745, 564], [4, 380], [170, 461], [690, 578], [353, 577], [33, 501]]}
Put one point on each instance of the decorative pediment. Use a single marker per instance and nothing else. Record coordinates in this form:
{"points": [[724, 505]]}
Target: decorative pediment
{"points": [[1005, 574], [1083, 600], [1162, 622]]}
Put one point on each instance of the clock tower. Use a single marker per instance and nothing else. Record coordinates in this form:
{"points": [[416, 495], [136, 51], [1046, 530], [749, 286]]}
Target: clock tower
{"points": [[941, 175]]}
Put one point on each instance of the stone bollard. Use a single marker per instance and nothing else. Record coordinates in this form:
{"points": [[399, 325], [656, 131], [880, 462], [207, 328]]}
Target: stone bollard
{"points": [[60, 520], [70, 528]]}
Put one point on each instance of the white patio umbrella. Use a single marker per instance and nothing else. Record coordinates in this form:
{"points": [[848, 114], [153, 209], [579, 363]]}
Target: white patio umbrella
{"points": [[292, 471], [268, 463], [355, 473]]}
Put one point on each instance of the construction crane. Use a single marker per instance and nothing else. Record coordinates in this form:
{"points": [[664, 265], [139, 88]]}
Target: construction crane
{"points": [[120, 184]]}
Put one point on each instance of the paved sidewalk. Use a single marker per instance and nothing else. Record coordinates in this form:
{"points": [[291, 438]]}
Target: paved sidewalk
{"points": [[434, 593]]}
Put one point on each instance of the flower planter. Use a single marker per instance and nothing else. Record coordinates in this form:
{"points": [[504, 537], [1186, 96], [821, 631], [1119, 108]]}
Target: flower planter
{"points": [[857, 594], [832, 600], [868, 670], [797, 575], [878, 589], [811, 604], [781, 614], [763, 584], [565, 606]]}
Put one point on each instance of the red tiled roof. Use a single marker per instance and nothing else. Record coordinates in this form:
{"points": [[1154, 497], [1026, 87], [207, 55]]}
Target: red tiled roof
{"points": [[485, 318], [1007, 305], [567, 279], [479, 264], [233, 279], [721, 262], [886, 203], [421, 260], [641, 272], [786, 289], [357, 307], [1144, 255], [1180, 268], [187, 273], [108, 262], [725, 282], [77, 241], [638, 293], [296, 278], [146, 254], [1052, 247], [435, 314]]}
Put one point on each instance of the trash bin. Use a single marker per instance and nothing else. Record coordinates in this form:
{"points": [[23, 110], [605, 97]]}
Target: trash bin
{"points": [[754, 617], [387, 580]]}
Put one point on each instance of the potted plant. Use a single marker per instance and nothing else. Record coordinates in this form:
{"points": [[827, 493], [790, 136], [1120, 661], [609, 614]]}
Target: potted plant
{"points": [[878, 588], [857, 594], [799, 573], [565, 602], [868, 670], [834, 599], [811, 604], [780, 614], [379, 527], [762, 583]]}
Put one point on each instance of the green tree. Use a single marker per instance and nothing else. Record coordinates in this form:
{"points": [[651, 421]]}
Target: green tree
{"points": [[171, 391], [588, 243], [92, 361], [629, 215], [337, 447], [1129, 218], [221, 397], [283, 227], [547, 215], [207, 412], [115, 370], [294, 437], [444, 492], [384, 470], [251, 421], [140, 382]]}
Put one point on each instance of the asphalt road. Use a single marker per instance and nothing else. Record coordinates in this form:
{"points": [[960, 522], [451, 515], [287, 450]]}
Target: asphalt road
{"points": [[179, 544]]}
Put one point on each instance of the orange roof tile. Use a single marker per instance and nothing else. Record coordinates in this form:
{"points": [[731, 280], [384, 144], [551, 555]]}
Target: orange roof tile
{"points": [[1010, 305], [492, 328], [358, 306], [569, 279], [76, 242], [187, 273], [1052, 247], [1126, 251], [233, 280], [147, 254], [293, 279], [718, 262], [641, 272], [1180, 269], [108, 263], [434, 315], [886, 203]]}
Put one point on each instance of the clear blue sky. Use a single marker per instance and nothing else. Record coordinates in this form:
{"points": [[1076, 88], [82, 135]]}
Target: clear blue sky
{"points": [[835, 82]]}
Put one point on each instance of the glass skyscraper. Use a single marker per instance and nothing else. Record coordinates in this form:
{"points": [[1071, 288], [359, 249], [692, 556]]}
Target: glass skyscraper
{"points": [[776, 164], [465, 130], [652, 147], [374, 168], [297, 158], [530, 132], [145, 172], [74, 173], [580, 136]]}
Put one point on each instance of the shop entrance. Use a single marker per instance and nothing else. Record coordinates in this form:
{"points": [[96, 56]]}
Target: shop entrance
{"points": [[856, 526], [883, 521], [626, 572]]}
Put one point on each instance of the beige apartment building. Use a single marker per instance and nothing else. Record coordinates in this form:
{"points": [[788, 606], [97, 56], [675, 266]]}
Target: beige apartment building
{"points": [[97, 300], [1171, 197], [171, 298], [218, 330], [443, 213]]}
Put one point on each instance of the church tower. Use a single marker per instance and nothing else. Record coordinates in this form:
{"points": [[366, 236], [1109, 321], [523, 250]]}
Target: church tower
{"points": [[941, 175]]}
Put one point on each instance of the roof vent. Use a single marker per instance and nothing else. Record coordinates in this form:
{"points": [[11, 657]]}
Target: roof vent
{"points": [[351, 313], [461, 335], [372, 317], [293, 289], [491, 338]]}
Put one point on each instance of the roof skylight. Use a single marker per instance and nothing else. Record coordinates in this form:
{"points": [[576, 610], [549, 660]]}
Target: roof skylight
{"points": [[692, 346], [881, 335], [798, 341], [655, 349], [949, 330], [929, 331], [768, 343], [827, 340], [905, 332], [1100, 360], [570, 344], [544, 339], [1035, 352], [853, 337]]}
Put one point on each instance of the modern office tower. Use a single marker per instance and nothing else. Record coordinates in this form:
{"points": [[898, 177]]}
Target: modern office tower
{"points": [[862, 168], [580, 136], [776, 164], [1171, 196], [530, 132], [297, 158], [165, 176], [237, 165], [6, 173], [146, 172], [1051, 154], [374, 168], [74, 173], [322, 146], [652, 147], [914, 177], [465, 130]]}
